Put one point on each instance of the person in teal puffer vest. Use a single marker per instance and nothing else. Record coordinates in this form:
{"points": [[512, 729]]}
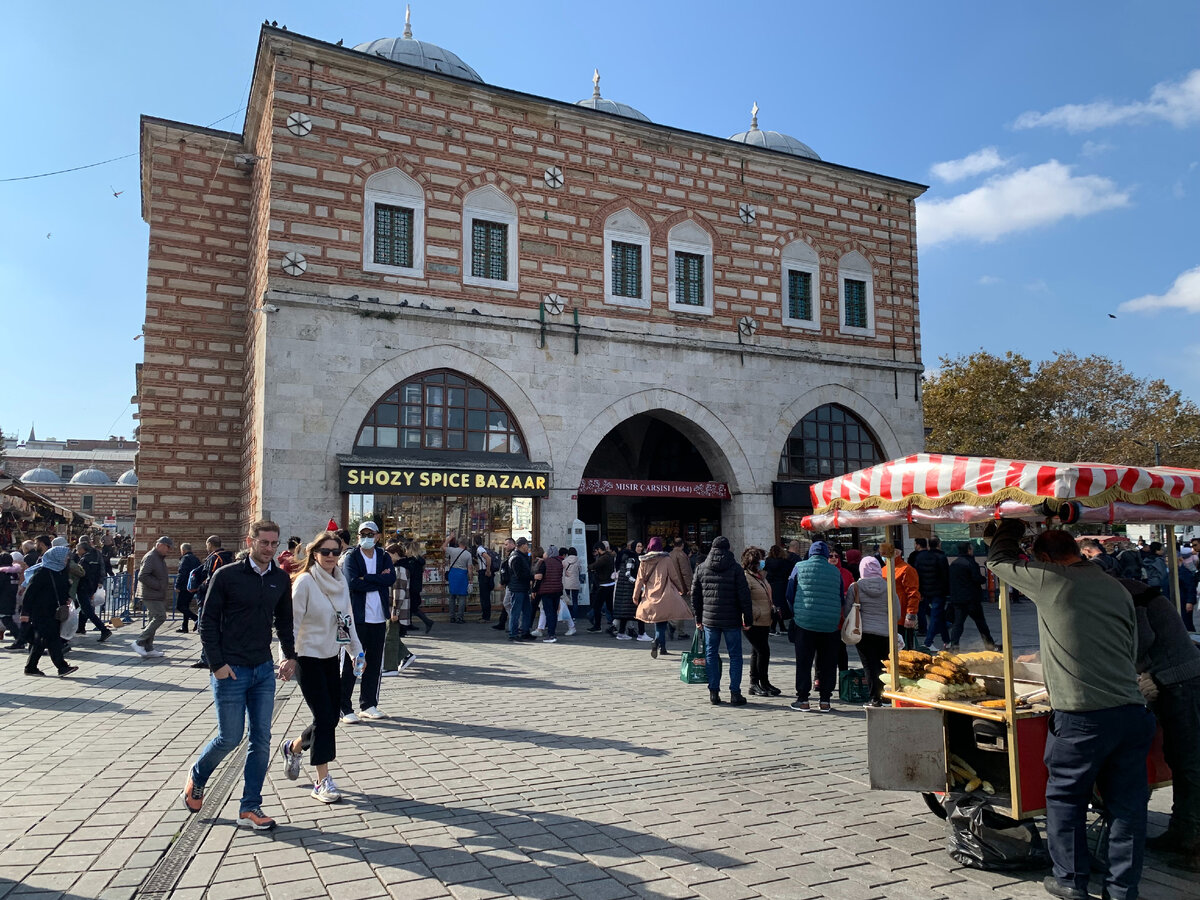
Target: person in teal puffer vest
{"points": [[814, 594]]}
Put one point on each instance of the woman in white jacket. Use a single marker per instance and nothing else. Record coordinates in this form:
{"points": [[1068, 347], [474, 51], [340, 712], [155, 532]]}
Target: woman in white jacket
{"points": [[324, 626]]}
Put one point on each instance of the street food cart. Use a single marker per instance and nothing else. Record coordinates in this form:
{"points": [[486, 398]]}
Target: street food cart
{"points": [[986, 731]]}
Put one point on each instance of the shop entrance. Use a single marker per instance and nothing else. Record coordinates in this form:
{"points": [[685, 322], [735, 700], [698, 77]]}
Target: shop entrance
{"points": [[632, 485]]}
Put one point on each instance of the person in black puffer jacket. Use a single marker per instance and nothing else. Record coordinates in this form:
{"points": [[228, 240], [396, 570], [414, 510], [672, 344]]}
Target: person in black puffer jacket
{"points": [[933, 571], [624, 609], [721, 601]]}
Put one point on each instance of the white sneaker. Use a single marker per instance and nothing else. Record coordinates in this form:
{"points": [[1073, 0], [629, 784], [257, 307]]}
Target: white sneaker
{"points": [[644, 638], [407, 661], [624, 637], [372, 713], [571, 633], [549, 640], [291, 761], [326, 791], [350, 719], [388, 673], [140, 650], [155, 654], [537, 632]]}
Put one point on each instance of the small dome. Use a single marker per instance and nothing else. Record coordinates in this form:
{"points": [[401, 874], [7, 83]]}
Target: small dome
{"points": [[41, 475], [421, 54], [612, 107], [772, 140], [129, 476], [90, 476]]}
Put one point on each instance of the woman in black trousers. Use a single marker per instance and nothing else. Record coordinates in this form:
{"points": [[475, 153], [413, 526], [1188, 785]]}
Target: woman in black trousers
{"points": [[324, 624], [48, 589]]}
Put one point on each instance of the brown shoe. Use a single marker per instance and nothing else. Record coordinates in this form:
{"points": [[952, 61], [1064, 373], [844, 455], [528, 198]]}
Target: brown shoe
{"points": [[256, 819], [193, 796]]}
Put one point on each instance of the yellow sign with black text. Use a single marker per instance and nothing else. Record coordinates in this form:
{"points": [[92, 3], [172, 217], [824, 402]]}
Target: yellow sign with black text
{"points": [[403, 480]]}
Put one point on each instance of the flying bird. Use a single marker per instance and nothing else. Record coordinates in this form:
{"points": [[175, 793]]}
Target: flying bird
{"points": [[115, 192], [47, 235], [1111, 316]]}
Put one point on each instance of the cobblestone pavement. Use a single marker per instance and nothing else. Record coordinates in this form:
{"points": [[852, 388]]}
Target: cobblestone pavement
{"points": [[581, 769]]}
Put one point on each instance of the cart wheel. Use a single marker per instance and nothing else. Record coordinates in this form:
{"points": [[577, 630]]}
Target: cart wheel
{"points": [[934, 802]]}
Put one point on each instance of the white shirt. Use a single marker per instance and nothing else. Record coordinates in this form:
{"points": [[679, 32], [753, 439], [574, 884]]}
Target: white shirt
{"points": [[374, 611]]}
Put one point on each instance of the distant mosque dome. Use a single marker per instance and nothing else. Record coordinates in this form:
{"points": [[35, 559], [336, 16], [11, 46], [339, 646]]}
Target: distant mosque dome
{"points": [[129, 476], [40, 475], [610, 106], [421, 54], [772, 140], [91, 476]]}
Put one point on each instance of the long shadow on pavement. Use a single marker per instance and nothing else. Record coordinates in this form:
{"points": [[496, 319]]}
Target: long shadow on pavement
{"points": [[521, 735], [67, 704]]}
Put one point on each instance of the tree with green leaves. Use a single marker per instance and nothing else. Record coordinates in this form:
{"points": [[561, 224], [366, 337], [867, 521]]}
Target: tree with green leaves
{"points": [[1069, 409]]}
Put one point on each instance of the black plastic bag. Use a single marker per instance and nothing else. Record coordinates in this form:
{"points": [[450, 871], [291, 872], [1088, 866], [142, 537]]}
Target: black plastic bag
{"points": [[983, 839]]}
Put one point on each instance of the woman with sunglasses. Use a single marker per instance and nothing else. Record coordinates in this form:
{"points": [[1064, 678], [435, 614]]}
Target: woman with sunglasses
{"points": [[324, 626]]}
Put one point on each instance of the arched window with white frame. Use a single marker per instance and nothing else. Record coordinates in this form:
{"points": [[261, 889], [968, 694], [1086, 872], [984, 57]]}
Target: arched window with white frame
{"points": [[800, 271], [490, 239], [690, 275], [394, 225], [627, 260], [856, 295]]}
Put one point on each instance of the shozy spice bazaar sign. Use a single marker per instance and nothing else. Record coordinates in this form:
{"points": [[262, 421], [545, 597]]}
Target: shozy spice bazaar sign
{"points": [[356, 479]]}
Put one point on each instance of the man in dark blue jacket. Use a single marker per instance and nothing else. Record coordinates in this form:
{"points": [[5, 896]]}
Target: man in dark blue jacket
{"points": [[933, 570], [370, 574], [520, 582]]}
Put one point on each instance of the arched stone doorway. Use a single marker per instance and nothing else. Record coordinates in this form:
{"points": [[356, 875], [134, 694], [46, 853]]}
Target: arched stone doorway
{"points": [[646, 477]]}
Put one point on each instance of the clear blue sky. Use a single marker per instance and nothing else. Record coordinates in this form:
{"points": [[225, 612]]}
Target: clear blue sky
{"points": [[1071, 130]]}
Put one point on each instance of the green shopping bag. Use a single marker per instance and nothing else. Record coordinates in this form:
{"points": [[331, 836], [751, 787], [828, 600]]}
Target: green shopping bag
{"points": [[692, 668]]}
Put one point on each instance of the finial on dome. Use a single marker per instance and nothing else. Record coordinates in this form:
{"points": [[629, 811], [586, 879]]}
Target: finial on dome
{"points": [[596, 84], [407, 22], [754, 117]]}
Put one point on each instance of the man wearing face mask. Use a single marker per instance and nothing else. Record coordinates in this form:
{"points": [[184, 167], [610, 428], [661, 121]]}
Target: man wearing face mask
{"points": [[370, 574]]}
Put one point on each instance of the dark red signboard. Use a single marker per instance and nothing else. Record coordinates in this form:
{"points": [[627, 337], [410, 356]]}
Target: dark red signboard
{"points": [[624, 487]]}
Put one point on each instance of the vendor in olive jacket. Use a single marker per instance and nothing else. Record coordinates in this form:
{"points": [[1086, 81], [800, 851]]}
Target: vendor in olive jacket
{"points": [[1101, 730]]}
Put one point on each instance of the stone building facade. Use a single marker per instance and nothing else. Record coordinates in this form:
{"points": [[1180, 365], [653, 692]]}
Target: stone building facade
{"points": [[623, 300], [93, 477]]}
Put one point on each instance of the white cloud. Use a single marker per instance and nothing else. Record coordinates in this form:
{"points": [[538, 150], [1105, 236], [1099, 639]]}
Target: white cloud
{"points": [[1175, 102], [1094, 148], [1037, 286], [990, 280], [1183, 294], [1024, 199], [985, 160]]}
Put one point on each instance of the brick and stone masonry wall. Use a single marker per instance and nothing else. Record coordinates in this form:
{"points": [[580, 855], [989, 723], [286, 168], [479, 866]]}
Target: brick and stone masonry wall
{"points": [[197, 204]]}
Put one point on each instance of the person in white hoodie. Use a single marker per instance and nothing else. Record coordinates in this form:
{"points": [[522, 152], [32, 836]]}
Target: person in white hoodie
{"points": [[324, 623]]}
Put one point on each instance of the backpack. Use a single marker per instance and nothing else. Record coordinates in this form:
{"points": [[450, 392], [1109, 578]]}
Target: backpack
{"points": [[196, 577]]}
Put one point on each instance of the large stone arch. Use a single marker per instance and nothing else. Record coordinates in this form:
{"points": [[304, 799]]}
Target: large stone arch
{"points": [[387, 375], [719, 446], [819, 395]]}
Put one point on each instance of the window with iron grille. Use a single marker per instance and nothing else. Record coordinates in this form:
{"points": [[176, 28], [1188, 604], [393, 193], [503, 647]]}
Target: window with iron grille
{"points": [[65, 472], [626, 269], [689, 279], [800, 295], [830, 440], [86, 502], [855, 293], [489, 256], [393, 235]]}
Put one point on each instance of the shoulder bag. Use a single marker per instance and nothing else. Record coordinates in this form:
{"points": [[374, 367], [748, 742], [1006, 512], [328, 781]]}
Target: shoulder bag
{"points": [[852, 625]]}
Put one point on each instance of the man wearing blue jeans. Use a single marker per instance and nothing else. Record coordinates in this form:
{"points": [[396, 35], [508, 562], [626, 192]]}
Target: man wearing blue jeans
{"points": [[721, 601], [520, 580], [244, 599], [1100, 731]]}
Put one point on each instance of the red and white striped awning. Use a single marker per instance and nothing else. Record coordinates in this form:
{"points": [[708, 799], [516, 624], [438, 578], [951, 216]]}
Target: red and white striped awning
{"points": [[933, 487]]}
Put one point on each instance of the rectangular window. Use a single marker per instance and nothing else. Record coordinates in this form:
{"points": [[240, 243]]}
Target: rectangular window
{"points": [[489, 258], [800, 295], [393, 236], [65, 472], [626, 269], [86, 503], [689, 279], [856, 303]]}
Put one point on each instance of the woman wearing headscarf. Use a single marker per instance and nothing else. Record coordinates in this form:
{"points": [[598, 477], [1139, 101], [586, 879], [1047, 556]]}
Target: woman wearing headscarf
{"points": [[870, 592], [624, 607], [753, 561], [658, 594], [324, 623], [47, 588]]}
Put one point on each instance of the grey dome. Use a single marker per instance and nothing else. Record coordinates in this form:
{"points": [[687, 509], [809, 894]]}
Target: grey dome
{"points": [[612, 107], [772, 140], [90, 476], [129, 476], [421, 54], [40, 475]]}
